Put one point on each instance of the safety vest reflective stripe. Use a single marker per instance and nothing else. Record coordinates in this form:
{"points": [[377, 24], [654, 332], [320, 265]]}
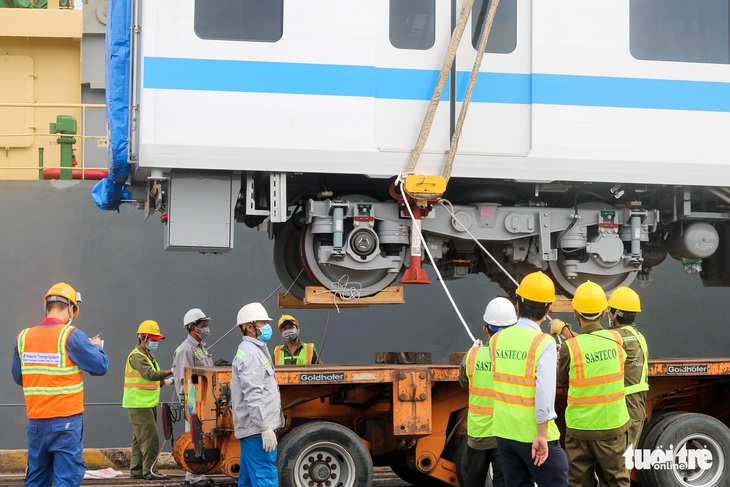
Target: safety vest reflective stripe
{"points": [[52, 383], [602, 379], [599, 399], [530, 366], [486, 411], [240, 354], [515, 383], [596, 382], [301, 358], [481, 395], [138, 391], [36, 369], [514, 379], [643, 384], [512, 399], [147, 385], [52, 391]]}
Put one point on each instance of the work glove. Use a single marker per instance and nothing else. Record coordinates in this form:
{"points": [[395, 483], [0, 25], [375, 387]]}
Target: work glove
{"points": [[556, 326], [478, 343], [268, 438], [169, 381]]}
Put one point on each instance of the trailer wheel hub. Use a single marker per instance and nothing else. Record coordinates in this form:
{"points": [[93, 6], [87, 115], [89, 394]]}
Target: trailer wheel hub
{"points": [[320, 469]]}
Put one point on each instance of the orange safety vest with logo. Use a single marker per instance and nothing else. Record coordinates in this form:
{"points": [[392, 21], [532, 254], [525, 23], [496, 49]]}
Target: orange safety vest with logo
{"points": [[515, 351], [481, 396], [304, 354], [596, 394], [52, 383], [138, 391]]}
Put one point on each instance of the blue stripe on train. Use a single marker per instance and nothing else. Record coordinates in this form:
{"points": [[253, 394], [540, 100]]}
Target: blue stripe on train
{"points": [[415, 84]]}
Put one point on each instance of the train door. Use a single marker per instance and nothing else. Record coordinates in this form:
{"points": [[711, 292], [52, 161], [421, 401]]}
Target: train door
{"points": [[411, 40], [499, 117]]}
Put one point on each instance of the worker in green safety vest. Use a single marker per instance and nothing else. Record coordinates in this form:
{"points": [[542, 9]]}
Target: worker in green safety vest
{"points": [[294, 351], [623, 305], [591, 364], [475, 374], [142, 381], [524, 363]]}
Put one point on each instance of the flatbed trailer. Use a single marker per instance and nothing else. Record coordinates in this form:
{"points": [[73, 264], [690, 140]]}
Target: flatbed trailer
{"points": [[343, 419]]}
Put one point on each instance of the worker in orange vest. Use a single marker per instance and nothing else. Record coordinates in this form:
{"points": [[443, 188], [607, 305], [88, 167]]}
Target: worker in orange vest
{"points": [[48, 362]]}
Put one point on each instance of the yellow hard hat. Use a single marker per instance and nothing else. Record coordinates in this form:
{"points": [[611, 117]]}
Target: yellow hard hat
{"points": [[625, 299], [151, 328], [537, 287], [285, 318], [589, 299], [64, 293]]}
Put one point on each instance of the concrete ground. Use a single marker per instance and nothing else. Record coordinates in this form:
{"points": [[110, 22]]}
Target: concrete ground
{"points": [[13, 462]]}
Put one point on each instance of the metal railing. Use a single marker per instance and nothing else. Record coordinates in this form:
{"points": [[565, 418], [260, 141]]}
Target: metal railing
{"points": [[41, 137]]}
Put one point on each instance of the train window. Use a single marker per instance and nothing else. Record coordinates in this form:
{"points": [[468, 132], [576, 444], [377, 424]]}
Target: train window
{"points": [[503, 36], [412, 24], [678, 30], [239, 20]]}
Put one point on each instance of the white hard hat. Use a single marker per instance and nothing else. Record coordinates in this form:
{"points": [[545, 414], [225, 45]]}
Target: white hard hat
{"points": [[193, 316], [500, 312], [252, 312]]}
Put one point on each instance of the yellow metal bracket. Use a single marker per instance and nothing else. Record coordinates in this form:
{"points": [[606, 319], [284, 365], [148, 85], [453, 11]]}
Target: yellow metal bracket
{"points": [[421, 187]]}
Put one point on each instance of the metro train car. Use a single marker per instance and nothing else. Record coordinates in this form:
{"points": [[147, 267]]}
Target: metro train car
{"points": [[595, 143]]}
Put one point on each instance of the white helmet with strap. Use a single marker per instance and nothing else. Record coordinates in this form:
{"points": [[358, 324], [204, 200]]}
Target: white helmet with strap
{"points": [[194, 316]]}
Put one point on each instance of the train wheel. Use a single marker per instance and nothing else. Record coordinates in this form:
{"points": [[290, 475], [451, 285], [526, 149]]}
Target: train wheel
{"points": [[321, 454], [608, 282], [688, 434], [288, 261]]}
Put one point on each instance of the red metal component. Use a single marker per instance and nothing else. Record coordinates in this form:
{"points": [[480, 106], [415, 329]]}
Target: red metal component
{"points": [[415, 273], [94, 174], [163, 218]]}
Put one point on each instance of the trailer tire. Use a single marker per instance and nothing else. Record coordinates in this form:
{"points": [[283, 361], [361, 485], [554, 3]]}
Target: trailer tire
{"points": [[322, 450], [693, 431], [648, 440]]}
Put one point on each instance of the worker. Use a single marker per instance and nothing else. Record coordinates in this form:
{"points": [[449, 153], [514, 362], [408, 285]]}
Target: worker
{"points": [[142, 381], [256, 400], [623, 305], [591, 364], [192, 352], [475, 374], [293, 351], [47, 362], [524, 363]]}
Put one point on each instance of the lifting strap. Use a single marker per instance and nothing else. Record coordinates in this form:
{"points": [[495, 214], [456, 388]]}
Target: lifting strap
{"points": [[441, 82]]}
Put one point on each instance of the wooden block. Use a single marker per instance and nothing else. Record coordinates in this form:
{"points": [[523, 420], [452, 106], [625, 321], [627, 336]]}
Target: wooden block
{"points": [[562, 305], [318, 297]]}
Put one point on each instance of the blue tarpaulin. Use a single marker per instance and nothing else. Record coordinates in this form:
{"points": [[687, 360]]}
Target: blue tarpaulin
{"points": [[109, 192]]}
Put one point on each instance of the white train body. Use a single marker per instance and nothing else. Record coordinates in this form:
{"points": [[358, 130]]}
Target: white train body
{"points": [[626, 99]]}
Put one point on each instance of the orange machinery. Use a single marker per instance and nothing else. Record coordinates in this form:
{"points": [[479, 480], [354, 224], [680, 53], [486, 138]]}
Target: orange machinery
{"points": [[343, 419]]}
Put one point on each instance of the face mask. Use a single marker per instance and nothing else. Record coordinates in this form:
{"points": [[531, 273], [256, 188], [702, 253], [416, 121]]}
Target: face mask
{"points": [[203, 332], [265, 333], [290, 335], [151, 346]]}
